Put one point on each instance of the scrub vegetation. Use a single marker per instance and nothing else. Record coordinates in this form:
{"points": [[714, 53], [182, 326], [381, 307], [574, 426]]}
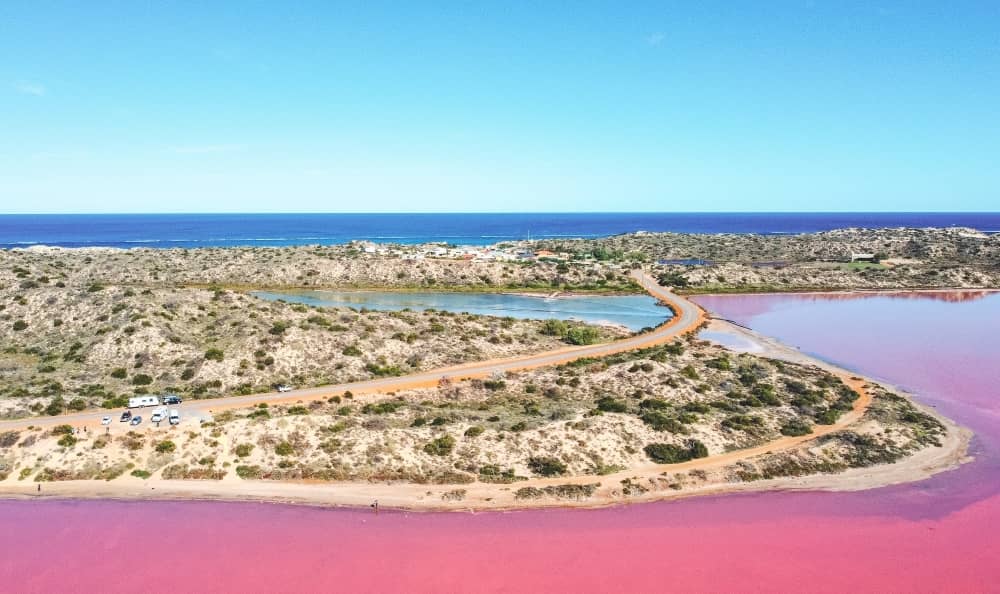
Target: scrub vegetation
{"points": [[124, 341], [666, 405]]}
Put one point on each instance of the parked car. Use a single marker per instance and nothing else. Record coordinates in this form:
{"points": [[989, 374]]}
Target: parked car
{"points": [[135, 421], [127, 415], [172, 399], [106, 420], [284, 388], [175, 417]]}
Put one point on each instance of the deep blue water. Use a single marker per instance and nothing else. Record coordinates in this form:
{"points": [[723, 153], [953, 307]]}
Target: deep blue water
{"points": [[633, 311], [200, 230]]}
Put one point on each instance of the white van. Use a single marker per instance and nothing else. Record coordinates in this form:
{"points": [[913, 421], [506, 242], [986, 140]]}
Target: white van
{"points": [[175, 417], [159, 414], [140, 401]]}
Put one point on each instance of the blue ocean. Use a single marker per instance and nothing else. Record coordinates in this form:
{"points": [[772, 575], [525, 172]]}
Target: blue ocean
{"points": [[204, 230]]}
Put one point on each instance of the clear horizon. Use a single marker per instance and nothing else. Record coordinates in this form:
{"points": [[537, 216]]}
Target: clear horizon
{"points": [[508, 212], [321, 107]]}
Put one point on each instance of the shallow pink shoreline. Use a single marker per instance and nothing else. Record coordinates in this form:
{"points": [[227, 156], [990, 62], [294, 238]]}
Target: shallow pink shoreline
{"points": [[936, 535], [760, 542]]}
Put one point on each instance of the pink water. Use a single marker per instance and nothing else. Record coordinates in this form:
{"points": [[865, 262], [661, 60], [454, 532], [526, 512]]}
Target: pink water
{"points": [[936, 535]]}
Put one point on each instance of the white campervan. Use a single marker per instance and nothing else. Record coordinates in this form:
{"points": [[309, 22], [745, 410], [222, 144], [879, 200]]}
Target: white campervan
{"points": [[175, 417], [140, 401], [158, 415]]}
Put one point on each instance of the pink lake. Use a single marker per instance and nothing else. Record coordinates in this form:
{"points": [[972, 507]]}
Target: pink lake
{"points": [[938, 535]]}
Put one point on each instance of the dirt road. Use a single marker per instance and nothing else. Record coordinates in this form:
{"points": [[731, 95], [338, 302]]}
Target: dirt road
{"points": [[687, 317]]}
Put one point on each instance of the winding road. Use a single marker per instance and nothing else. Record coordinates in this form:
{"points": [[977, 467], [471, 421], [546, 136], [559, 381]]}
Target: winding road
{"points": [[687, 317]]}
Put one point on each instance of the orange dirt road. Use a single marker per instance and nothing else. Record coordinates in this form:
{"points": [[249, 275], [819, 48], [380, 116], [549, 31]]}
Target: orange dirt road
{"points": [[687, 318]]}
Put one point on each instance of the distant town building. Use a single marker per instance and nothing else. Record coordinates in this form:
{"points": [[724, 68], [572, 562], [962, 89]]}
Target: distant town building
{"points": [[686, 262]]}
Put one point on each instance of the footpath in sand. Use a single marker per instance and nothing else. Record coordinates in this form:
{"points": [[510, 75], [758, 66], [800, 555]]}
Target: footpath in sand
{"points": [[687, 318]]}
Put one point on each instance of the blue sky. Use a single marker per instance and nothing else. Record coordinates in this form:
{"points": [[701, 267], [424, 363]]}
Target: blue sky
{"points": [[577, 106]]}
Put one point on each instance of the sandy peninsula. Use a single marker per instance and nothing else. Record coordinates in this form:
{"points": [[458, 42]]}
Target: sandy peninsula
{"points": [[586, 448], [437, 410]]}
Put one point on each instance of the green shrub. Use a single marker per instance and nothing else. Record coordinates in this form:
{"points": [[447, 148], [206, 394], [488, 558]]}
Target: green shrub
{"points": [[554, 328], [143, 474], [796, 427], [828, 416], [62, 430], [721, 363], [383, 370], [609, 404], [214, 355], [492, 473], [674, 348], [697, 407], [247, 472], [351, 351], [654, 404], [55, 407], [67, 441], [668, 453], [743, 422], [474, 431], [20, 325], [662, 422], [141, 380], [119, 373], [259, 413], [581, 335], [243, 450], [673, 279], [382, 408], [696, 448], [165, 446], [494, 384], [284, 449], [528, 493], [442, 446], [546, 465], [187, 374], [114, 402]]}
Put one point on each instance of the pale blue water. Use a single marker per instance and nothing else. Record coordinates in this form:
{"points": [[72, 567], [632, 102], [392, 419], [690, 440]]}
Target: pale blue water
{"points": [[203, 230], [634, 311]]}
